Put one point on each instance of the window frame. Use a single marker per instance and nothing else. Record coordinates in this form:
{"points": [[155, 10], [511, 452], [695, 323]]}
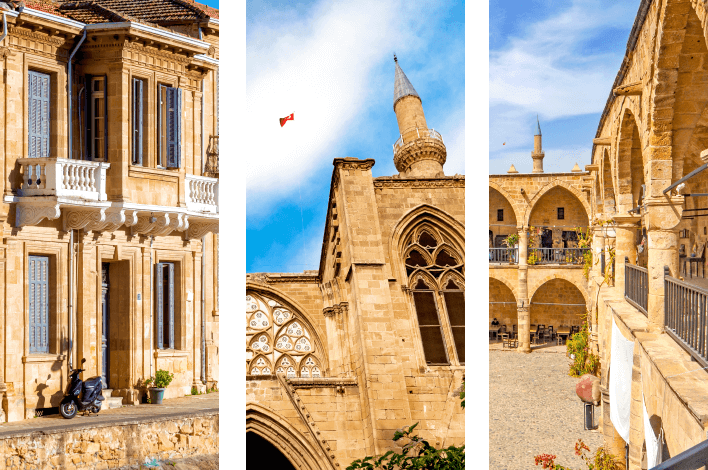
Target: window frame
{"points": [[50, 135], [138, 109], [500, 215], [560, 213], [91, 97], [56, 302], [165, 299], [439, 325]]}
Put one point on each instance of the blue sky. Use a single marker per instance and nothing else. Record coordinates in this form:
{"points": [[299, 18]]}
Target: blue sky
{"points": [[557, 59], [331, 63], [211, 3]]}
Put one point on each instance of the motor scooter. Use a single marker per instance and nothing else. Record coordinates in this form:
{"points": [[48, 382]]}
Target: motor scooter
{"points": [[81, 395]]}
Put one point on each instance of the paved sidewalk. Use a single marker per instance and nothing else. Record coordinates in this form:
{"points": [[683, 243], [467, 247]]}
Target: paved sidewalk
{"points": [[533, 409], [171, 408]]}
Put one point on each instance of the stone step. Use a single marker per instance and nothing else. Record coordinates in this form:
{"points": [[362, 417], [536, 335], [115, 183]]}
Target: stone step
{"points": [[107, 392], [113, 402]]}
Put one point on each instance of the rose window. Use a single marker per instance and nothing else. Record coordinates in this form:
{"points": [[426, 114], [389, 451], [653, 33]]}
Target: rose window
{"points": [[295, 350]]}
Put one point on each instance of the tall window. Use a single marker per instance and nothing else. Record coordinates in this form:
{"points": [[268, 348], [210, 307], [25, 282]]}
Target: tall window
{"points": [[169, 125], [96, 122], [278, 341], [138, 118], [165, 315], [500, 215], [561, 213], [39, 304], [435, 272], [38, 124]]}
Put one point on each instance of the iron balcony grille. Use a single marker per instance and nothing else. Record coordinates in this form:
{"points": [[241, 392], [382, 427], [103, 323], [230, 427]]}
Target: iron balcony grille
{"points": [[636, 286], [685, 316], [504, 255], [558, 255]]}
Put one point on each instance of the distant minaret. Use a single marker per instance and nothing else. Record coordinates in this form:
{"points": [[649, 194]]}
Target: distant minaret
{"points": [[420, 152], [537, 153]]}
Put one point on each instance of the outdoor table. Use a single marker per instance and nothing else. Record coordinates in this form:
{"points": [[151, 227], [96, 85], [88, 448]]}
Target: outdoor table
{"points": [[563, 331], [495, 330]]}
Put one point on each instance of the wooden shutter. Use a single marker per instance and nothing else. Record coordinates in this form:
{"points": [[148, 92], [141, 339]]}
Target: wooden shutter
{"points": [[39, 304], [430, 329], [105, 118], [455, 303], [38, 92], [171, 303], [159, 317], [173, 109], [137, 121]]}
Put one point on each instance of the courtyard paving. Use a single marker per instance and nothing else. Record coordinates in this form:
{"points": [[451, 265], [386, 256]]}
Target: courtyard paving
{"points": [[533, 409]]}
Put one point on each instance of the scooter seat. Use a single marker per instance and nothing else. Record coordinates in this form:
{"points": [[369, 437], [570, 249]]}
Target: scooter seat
{"points": [[100, 398]]}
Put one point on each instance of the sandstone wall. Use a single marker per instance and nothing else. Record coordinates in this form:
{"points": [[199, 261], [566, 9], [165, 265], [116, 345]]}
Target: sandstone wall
{"points": [[112, 446]]}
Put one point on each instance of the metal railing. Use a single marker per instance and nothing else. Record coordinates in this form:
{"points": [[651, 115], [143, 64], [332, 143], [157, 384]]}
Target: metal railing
{"points": [[690, 459], [558, 255], [419, 133], [504, 255], [636, 286], [685, 316]]}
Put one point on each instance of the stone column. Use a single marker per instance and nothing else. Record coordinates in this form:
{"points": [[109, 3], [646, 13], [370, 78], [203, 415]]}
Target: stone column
{"points": [[522, 305], [613, 441], [334, 347], [625, 246], [662, 216], [598, 248]]}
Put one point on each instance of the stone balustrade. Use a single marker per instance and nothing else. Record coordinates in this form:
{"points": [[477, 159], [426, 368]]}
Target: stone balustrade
{"points": [[202, 193], [62, 177]]}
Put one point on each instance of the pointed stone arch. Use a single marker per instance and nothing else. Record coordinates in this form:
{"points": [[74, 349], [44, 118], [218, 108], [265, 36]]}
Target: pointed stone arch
{"points": [[556, 183], [423, 213], [679, 94], [630, 163], [559, 275], [517, 210], [305, 317], [507, 283], [289, 441]]}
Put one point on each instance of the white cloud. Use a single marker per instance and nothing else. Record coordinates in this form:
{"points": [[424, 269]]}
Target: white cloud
{"points": [[322, 71]]}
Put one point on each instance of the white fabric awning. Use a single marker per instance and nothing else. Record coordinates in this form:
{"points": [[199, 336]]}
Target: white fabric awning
{"points": [[621, 360], [653, 458]]}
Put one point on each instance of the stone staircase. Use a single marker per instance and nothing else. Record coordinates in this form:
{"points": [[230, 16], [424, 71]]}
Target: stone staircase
{"points": [[111, 401]]}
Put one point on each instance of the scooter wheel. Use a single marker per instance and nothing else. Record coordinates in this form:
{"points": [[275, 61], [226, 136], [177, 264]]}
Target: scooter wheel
{"points": [[68, 410]]}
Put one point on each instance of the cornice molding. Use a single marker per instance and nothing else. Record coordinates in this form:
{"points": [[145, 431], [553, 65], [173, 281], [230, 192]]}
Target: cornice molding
{"points": [[446, 182], [354, 163], [40, 37], [273, 278]]}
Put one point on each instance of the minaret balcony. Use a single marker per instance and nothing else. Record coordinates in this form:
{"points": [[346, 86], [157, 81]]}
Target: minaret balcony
{"points": [[413, 134]]}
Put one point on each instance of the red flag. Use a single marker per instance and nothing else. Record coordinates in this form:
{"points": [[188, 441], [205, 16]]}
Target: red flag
{"points": [[286, 119]]}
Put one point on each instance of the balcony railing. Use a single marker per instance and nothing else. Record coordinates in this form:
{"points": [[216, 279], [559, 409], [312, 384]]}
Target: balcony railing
{"points": [[685, 316], [211, 169], [63, 178], [504, 255], [558, 255], [636, 286], [690, 459], [202, 193], [419, 133]]}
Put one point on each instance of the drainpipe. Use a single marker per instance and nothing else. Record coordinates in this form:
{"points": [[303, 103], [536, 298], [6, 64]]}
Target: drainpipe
{"points": [[203, 342], [68, 93], [202, 145], [152, 345], [71, 300], [4, 26], [71, 233]]}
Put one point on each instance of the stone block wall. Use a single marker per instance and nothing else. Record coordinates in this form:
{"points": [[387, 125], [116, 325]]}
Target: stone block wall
{"points": [[502, 304], [112, 446], [558, 291]]}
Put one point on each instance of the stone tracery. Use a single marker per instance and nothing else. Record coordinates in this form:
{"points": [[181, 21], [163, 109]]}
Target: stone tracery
{"points": [[293, 352]]}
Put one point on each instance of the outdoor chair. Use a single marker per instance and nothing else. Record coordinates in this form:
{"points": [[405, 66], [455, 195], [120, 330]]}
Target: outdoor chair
{"points": [[698, 260], [539, 335], [515, 332], [550, 333]]}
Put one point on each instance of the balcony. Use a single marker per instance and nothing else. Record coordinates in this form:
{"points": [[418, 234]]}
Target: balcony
{"points": [[573, 256], [504, 255], [63, 178], [409, 135], [202, 194]]}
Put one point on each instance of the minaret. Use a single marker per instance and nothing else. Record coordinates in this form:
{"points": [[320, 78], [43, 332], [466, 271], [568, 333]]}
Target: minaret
{"points": [[537, 153], [420, 152]]}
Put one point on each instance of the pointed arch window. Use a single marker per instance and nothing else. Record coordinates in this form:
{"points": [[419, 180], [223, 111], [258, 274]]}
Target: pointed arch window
{"points": [[277, 335], [435, 270]]}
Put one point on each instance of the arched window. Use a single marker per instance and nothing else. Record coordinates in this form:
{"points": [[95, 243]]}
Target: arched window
{"points": [[276, 335], [435, 271]]}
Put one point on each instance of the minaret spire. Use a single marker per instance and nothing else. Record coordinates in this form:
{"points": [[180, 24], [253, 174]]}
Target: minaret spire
{"points": [[537, 153], [420, 152]]}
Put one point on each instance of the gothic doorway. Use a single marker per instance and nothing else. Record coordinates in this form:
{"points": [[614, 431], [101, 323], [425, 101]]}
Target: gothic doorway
{"points": [[105, 329], [262, 454]]}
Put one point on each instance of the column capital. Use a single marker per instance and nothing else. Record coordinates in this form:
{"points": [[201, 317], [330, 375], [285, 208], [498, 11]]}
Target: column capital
{"points": [[663, 213], [627, 221], [328, 312]]}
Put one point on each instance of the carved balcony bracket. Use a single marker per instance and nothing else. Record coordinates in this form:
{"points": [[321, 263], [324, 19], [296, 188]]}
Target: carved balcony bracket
{"points": [[148, 224], [32, 214], [199, 229], [86, 219], [179, 222]]}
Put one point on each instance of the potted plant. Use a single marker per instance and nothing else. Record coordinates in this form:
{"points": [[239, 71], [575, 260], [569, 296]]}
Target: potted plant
{"points": [[512, 242], [159, 382]]}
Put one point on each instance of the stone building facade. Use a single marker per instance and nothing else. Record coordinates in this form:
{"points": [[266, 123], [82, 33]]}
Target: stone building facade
{"points": [[651, 137], [341, 357], [109, 118], [539, 279]]}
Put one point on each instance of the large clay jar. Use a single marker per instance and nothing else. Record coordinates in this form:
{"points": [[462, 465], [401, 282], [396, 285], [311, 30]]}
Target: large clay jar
{"points": [[588, 388]]}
